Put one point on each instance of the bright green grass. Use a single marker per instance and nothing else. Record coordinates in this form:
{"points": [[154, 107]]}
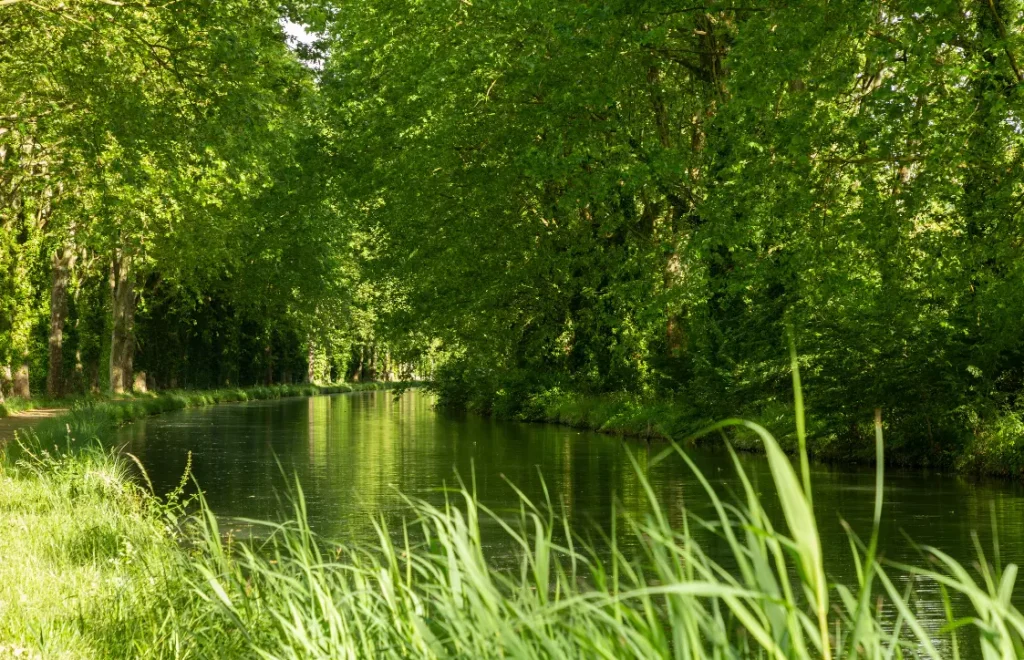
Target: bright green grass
{"points": [[13, 405], [100, 569], [85, 553]]}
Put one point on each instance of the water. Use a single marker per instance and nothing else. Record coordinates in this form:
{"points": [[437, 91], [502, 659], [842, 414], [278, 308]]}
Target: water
{"points": [[356, 454]]}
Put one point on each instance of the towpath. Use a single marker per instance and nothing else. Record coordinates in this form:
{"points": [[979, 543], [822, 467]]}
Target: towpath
{"points": [[26, 419]]}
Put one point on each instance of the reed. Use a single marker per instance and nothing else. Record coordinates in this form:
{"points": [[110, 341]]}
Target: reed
{"points": [[104, 568], [429, 589]]}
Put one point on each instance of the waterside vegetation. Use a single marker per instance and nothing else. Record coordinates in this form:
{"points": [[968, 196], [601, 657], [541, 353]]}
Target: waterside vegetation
{"points": [[993, 452], [95, 417], [109, 567]]}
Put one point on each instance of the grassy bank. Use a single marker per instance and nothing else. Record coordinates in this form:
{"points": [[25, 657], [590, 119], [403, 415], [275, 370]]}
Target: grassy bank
{"points": [[652, 418], [103, 568], [15, 405], [90, 418], [92, 561], [994, 448], [131, 406]]}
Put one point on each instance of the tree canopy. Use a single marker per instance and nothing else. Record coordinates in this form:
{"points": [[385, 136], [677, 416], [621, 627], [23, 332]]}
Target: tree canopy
{"points": [[611, 196], [644, 197]]}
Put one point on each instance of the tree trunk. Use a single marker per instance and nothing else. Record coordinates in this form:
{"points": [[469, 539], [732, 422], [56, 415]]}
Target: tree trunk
{"points": [[357, 373], [63, 262], [122, 336], [311, 362], [675, 337], [364, 360], [372, 371], [21, 383]]}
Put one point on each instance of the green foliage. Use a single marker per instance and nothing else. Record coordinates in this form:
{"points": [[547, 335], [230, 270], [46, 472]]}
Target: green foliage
{"points": [[613, 197], [169, 144], [642, 198]]}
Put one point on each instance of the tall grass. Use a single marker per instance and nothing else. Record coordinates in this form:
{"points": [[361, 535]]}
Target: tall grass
{"points": [[90, 560], [105, 570], [430, 589]]}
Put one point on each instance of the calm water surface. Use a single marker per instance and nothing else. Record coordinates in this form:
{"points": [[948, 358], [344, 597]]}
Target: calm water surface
{"points": [[354, 454]]}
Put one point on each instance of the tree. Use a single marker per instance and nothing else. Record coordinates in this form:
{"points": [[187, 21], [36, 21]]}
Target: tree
{"points": [[158, 124], [643, 197]]}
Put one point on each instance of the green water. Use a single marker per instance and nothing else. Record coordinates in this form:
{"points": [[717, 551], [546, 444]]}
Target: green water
{"points": [[354, 454]]}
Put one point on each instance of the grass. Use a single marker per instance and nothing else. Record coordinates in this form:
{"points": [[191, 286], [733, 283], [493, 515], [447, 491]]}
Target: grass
{"points": [[102, 565], [104, 569], [12, 405], [618, 413], [131, 406], [84, 556], [93, 418]]}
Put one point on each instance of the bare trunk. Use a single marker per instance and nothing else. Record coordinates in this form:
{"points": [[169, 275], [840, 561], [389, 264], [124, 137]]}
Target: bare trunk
{"points": [[357, 372], [675, 334], [63, 262], [364, 363], [311, 362], [21, 383], [372, 372], [268, 354], [122, 336]]}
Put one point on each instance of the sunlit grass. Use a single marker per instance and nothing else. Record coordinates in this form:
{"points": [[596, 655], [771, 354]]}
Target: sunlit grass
{"points": [[104, 569], [430, 589], [84, 551], [89, 419]]}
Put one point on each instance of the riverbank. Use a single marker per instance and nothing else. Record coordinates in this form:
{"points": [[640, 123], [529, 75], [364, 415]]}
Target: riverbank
{"points": [[92, 560], [176, 399], [95, 416], [27, 419], [995, 447], [14, 405], [106, 569], [649, 418]]}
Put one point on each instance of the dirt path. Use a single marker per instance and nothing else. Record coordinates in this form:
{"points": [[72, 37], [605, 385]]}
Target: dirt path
{"points": [[25, 419]]}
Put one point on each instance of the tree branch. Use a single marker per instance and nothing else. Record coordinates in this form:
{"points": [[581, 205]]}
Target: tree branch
{"points": [[1006, 45]]}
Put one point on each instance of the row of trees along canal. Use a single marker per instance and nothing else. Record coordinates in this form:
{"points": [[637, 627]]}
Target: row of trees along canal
{"points": [[599, 197], [158, 211]]}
